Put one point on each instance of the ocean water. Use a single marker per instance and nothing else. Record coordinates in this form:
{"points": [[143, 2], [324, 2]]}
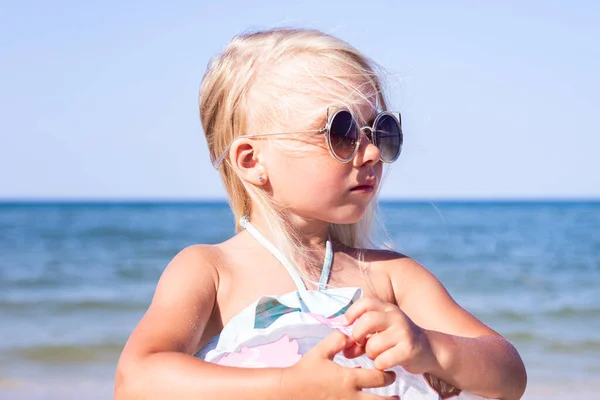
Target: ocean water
{"points": [[76, 278]]}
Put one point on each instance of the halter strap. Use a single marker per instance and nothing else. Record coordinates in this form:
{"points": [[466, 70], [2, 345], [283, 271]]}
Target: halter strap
{"points": [[327, 262], [325, 271]]}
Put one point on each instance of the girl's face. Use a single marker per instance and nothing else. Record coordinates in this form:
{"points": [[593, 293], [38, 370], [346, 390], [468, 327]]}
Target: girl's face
{"points": [[304, 177]]}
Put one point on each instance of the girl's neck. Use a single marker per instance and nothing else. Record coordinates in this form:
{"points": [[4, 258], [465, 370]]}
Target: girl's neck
{"points": [[313, 233]]}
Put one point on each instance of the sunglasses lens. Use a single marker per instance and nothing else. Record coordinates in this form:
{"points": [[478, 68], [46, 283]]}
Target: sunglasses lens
{"points": [[389, 137], [343, 135]]}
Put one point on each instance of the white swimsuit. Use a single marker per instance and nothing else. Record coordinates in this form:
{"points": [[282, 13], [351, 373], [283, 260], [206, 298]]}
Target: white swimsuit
{"points": [[275, 331]]}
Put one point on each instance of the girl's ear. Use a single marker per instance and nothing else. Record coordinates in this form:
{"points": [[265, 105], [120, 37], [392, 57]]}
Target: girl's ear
{"points": [[245, 161]]}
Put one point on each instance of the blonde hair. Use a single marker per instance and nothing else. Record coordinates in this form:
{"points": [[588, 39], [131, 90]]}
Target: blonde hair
{"points": [[248, 86]]}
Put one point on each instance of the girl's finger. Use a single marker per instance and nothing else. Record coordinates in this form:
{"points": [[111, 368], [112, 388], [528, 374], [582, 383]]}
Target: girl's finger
{"points": [[362, 306], [372, 378], [389, 358], [331, 345], [368, 324], [356, 350], [381, 342]]}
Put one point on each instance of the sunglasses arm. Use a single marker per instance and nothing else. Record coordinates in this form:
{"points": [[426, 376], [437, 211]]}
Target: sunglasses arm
{"points": [[219, 161]]}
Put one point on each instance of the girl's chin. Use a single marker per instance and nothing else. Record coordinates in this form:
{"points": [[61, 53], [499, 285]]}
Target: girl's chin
{"points": [[345, 214], [349, 217]]}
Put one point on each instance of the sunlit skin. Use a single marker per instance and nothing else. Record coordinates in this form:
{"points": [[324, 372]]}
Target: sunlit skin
{"points": [[308, 180], [406, 316]]}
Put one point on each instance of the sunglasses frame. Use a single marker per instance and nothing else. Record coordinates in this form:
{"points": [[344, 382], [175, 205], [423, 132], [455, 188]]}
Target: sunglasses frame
{"points": [[371, 135], [326, 130]]}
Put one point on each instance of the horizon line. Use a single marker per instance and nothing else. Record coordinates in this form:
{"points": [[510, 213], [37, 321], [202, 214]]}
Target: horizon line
{"points": [[224, 201]]}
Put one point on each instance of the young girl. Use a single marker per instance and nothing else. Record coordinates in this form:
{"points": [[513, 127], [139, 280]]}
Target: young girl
{"points": [[297, 125]]}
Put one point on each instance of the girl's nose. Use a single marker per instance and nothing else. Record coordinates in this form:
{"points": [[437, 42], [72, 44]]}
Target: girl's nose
{"points": [[367, 151]]}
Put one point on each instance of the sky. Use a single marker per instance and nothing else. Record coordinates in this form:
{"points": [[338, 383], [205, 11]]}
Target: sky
{"points": [[499, 100]]}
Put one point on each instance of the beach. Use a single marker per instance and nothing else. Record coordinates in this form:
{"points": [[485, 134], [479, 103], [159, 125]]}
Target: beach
{"points": [[75, 278]]}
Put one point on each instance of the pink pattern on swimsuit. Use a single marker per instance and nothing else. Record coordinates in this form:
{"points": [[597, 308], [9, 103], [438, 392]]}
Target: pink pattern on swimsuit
{"points": [[279, 354]]}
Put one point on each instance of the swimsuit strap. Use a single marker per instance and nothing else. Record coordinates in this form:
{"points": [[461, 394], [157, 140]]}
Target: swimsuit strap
{"points": [[245, 223], [325, 271]]}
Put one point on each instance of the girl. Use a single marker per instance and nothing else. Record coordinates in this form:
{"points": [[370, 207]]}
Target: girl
{"points": [[297, 125]]}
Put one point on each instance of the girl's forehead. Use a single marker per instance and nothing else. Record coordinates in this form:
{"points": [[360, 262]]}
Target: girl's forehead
{"points": [[341, 88], [318, 114], [300, 92], [315, 116]]}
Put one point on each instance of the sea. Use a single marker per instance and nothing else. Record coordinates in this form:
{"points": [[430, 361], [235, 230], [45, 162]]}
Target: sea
{"points": [[75, 278]]}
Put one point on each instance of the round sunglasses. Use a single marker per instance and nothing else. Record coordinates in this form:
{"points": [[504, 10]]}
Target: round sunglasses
{"points": [[343, 136]]}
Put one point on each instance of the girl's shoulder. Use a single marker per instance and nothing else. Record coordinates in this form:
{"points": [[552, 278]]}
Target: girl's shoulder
{"points": [[195, 263], [404, 274], [202, 258], [385, 260], [186, 291], [204, 262]]}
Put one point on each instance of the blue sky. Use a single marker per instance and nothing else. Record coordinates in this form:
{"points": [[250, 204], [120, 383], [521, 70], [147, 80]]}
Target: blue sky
{"points": [[499, 100]]}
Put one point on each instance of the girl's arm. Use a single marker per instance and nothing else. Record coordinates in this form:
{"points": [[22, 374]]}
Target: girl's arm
{"points": [[158, 363], [468, 354]]}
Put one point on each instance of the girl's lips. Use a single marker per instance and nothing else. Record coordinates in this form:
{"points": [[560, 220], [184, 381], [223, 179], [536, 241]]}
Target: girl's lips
{"points": [[362, 189]]}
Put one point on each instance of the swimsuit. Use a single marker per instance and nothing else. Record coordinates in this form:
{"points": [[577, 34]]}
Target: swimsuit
{"points": [[275, 331]]}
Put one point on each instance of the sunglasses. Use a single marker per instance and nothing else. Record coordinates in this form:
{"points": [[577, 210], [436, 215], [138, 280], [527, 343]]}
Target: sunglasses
{"points": [[343, 136]]}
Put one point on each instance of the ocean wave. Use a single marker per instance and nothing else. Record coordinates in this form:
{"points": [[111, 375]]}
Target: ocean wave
{"points": [[554, 345], [581, 346], [522, 336], [548, 314], [123, 233], [70, 306], [574, 312], [105, 352]]}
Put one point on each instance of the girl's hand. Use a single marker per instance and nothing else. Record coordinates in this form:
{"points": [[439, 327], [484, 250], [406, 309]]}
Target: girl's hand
{"points": [[388, 337], [317, 377]]}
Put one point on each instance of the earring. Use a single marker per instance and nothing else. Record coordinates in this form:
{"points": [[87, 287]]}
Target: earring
{"points": [[261, 179]]}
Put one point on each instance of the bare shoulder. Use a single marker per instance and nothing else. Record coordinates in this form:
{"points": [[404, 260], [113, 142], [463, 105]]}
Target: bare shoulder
{"points": [[181, 306], [201, 260], [384, 272], [403, 271], [196, 265], [408, 278], [421, 295]]}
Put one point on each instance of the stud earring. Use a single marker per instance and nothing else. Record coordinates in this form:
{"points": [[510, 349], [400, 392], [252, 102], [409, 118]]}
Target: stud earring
{"points": [[261, 179]]}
